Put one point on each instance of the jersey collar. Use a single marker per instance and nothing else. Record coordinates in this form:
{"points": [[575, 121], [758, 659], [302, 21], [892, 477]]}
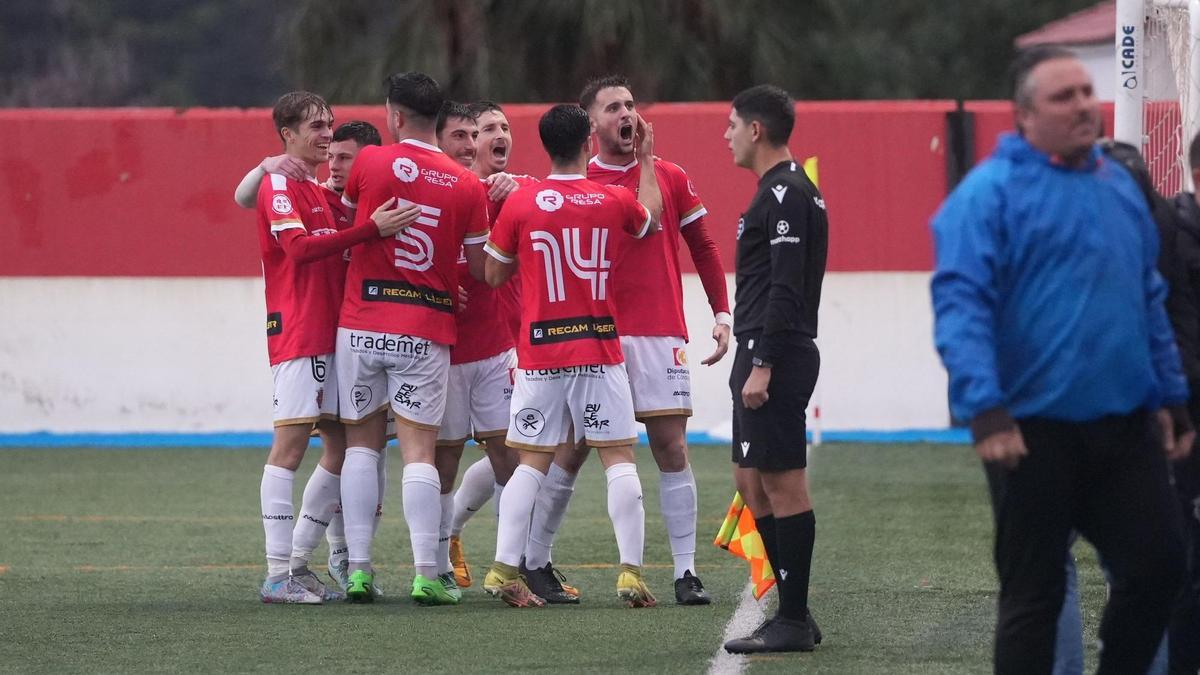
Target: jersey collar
{"points": [[614, 167], [786, 165], [422, 144], [566, 176]]}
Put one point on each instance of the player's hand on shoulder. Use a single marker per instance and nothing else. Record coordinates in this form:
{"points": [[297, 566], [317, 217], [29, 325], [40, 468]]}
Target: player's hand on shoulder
{"points": [[720, 333], [463, 297], [500, 186], [392, 217], [287, 165]]}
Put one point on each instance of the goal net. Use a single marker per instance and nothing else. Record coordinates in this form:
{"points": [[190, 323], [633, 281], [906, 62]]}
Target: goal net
{"points": [[1158, 95]]}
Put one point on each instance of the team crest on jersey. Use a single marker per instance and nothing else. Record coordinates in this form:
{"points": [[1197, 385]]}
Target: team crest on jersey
{"points": [[549, 200], [741, 227], [405, 169], [680, 356], [281, 204], [782, 227]]}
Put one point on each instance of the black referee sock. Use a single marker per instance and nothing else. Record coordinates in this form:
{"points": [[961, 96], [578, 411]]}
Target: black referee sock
{"points": [[794, 536], [766, 530]]}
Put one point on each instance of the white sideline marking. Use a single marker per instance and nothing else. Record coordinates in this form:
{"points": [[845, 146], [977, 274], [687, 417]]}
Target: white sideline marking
{"points": [[746, 617]]}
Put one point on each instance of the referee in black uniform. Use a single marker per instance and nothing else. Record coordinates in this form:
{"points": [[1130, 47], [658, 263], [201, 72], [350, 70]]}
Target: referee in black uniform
{"points": [[782, 243]]}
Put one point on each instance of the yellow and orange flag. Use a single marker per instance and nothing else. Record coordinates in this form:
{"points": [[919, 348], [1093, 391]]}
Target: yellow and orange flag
{"points": [[739, 536]]}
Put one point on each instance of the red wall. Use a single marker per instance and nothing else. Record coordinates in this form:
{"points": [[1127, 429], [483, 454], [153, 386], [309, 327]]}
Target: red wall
{"points": [[148, 192]]}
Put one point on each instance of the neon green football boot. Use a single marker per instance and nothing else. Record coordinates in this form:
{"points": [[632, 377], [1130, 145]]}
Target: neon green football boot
{"points": [[360, 586], [431, 592]]}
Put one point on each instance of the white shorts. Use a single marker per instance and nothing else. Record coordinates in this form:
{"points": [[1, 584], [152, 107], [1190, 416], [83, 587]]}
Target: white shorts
{"points": [[595, 399], [305, 390], [659, 376], [477, 399], [375, 370]]}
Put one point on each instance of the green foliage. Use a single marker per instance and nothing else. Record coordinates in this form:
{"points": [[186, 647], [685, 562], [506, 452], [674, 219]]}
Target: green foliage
{"points": [[247, 52]]}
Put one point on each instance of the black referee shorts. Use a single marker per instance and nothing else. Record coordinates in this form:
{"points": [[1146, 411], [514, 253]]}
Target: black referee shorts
{"points": [[772, 438]]}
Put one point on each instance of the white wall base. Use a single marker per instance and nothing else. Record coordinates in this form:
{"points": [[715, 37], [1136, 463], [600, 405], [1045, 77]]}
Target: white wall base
{"points": [[189, 355]]}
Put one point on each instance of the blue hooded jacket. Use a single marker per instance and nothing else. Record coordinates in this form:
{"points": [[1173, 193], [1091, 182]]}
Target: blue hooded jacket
{"points": [[1046, 297]]}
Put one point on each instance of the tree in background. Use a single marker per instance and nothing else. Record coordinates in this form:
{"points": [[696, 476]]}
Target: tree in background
{"points": [[246, 52], [140, 52]]}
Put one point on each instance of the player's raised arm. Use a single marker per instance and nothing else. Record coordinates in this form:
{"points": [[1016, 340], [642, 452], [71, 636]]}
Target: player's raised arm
{"points": [[246, 194], [649, 193]]}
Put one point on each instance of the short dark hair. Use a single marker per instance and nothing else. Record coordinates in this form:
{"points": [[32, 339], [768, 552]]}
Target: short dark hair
{"points": [[564, 129], [1194, 153], [362, 133], [481, 106], [588, 96], [416, 92], [1023, 65], [294, 107], [771, 107], [452, 110]]}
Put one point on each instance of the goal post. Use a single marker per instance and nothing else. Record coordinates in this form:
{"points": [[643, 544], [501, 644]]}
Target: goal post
{"points": [[1157, 101]]}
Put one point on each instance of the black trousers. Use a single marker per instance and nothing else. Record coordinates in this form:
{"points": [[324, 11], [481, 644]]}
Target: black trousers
{"points": [[1184, 631], [1107, 479]]}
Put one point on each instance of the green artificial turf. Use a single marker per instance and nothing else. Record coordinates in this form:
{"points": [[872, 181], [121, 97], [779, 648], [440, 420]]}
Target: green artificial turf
{"points": [[149, 560]]}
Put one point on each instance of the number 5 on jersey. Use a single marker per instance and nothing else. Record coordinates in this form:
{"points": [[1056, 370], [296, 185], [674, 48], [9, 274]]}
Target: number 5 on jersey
{"points": [[417, 251]]}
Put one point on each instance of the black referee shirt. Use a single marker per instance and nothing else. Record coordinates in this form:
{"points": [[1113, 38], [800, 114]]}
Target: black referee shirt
{"points": [[782, 243]]}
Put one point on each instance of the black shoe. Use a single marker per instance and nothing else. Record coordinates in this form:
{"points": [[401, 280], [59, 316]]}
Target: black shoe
{"points": [[689, 590], [546, 582], [776, 635], [815, 629]]}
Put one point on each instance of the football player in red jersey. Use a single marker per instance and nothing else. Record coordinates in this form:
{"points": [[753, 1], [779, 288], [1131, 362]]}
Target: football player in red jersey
{"points": [[479, 387], [570, 383], [397, 326], [649, 295], [348, 139], [303, 269]]}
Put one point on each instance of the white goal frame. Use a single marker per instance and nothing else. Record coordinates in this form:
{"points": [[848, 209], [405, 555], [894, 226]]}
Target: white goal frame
{"points": [[1134, 90]]}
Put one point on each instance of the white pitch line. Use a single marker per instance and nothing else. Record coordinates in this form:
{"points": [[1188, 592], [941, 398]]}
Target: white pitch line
{"points": [[748, 615]]}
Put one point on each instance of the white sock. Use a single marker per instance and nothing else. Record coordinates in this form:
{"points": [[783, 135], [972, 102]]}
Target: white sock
{"points": [[382, 490], [422, 492], [515, 507], [360, 488], [275, 496], [677, 497], [444, 565], [335, 534], [473, 492], [321, 496], [497, 493], [548, 514], [626, 511]]}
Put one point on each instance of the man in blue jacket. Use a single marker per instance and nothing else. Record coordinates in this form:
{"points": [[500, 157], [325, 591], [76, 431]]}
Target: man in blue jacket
{"points": [[1050, 322]]}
